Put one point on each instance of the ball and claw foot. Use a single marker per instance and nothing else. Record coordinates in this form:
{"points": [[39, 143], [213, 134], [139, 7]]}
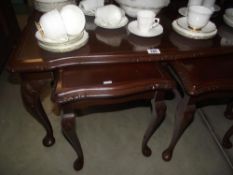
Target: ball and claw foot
{"points": [[48, 141], [78, 164], [167, 155], [226, 143], [146, 151]]}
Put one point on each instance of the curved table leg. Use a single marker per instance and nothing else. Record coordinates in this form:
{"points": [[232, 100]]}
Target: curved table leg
{"points": [[30, 91], [226, 139], [229, 111], [159, 108], [184, 116], [68, 129]]}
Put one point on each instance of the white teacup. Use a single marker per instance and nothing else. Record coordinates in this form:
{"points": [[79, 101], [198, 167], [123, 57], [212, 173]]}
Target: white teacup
{"points": [[194, 2], [91, 5], [198, 17], [73, 18], [109, 15], [146, 20], [209, 4], [52, 26]]}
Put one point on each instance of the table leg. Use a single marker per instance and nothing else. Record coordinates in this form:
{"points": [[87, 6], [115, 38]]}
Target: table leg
{"points": [[68, 129], [30, 91], [229, 110], [226, 139], [184, 116], [158, 115]]}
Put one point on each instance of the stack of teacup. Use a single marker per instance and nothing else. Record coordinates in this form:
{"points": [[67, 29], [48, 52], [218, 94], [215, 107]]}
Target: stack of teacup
{"points": [[48, 5], [63, 30], [228, 17]]}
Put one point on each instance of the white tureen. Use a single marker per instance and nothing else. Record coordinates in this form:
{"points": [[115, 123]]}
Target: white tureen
{"points": [[132, 6]]}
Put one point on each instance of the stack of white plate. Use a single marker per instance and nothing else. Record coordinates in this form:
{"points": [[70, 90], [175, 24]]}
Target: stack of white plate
{"points": [[48, 5], [73, 43], [228, 17]]}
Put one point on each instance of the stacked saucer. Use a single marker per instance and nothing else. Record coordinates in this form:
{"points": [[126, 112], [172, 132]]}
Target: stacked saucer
{"points": [[62, 31], [228, 17], [48, 5], [73, 43], [180, 25]]}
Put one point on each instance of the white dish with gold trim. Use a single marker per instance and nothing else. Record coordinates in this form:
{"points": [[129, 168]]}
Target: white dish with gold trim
{"points": [[180, 25]]}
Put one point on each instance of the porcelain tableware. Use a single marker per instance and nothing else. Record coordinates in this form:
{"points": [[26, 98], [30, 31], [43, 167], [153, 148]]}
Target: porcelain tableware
{"points": [[198, 17], [48, 5], [228, 20], [102, 24], [131, 7], [47, 41], [229, 12], [194, 2], [65, 47], [209, 4], [180, 25], [52, 26], [110, 15], [91, 5], [155, 31], [73, 18], [146, 20]]}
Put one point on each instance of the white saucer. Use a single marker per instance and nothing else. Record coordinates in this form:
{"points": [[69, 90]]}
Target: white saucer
{"points": [[133, 28], [100, 23], [184, 10], [87, 12], [66, 47], [180, 25], [228, 20]]}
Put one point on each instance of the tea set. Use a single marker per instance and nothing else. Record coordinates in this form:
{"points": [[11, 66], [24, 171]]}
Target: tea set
{"points": [[62, 30]]}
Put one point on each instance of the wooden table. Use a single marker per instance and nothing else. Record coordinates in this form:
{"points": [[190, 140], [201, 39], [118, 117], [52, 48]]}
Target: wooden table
{"points": [[36, 66]]}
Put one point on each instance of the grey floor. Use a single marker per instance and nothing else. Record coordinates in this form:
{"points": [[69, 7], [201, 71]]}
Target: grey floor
{"points": [[111, 141]]}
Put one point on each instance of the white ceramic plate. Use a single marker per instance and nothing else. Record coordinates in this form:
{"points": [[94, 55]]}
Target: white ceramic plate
{"points": [[180, 25], [123, 22], [65, 47], [133, 28], [228, 20]]}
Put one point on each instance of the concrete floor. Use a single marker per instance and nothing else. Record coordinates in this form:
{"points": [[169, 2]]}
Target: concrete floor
{"points": [[111, 142]]}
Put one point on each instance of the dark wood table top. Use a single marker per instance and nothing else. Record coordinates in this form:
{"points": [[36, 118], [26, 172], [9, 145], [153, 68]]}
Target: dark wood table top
{"points": [[118, 46]]}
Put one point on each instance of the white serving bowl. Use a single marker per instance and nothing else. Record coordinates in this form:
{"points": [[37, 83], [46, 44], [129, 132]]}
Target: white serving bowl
{"points": [[131, 7]]}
